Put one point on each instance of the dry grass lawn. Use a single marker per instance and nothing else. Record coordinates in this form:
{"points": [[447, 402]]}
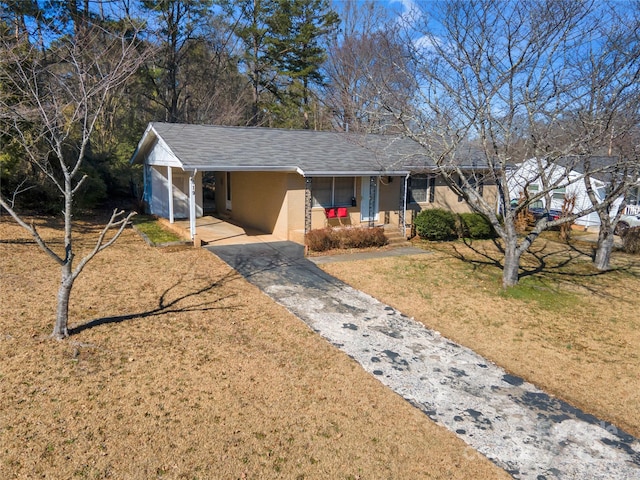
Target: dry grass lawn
{"points": [[178, 368], [567, 328]]}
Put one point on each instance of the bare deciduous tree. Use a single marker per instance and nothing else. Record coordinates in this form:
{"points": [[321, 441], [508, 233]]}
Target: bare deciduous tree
{"points": [[50, 100], [366, 70], [517, 80], [621, 176]]}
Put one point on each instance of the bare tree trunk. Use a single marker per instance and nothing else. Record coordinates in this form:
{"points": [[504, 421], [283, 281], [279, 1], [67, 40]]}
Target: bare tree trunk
{"points": [[511, 266], [60, 330], [602, 258]]}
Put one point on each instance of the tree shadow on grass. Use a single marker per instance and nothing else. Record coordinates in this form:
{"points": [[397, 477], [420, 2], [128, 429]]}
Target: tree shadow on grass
{"points": [[84, 225], [167, 306], [548, 261]]}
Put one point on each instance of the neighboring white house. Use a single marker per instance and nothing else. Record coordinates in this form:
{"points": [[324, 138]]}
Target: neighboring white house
{"points": [[567, 178]]}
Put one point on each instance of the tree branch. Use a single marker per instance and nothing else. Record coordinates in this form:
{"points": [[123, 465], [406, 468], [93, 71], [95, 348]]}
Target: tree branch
{"points": [[32, 230]]}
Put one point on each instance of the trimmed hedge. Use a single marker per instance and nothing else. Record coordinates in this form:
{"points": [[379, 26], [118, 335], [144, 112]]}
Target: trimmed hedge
{"points": [[436, 224], [476, 226], [328, 238]]}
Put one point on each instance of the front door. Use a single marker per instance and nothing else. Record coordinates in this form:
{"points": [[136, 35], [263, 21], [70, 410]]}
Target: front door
{"points": [[369, 208]]}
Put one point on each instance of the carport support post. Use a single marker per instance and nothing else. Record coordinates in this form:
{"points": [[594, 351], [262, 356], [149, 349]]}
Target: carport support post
{"points": [[307, 205], [373, 184], [402, 218], [170, 184], [192, 205]]}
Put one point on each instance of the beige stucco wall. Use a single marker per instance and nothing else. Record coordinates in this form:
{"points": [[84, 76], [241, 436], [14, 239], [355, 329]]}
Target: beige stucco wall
{"points": [[258, 200], [295, 207], [388, 206], [447, 199], [275, 203], [271, 202]]}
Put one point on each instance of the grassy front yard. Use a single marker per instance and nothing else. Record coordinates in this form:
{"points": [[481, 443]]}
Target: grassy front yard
{"points": [[150, 227], [566, 328], [178, 368]]}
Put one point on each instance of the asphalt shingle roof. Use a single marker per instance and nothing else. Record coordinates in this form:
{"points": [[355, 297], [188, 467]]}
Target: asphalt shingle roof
{"points": [[602, 167], [208, 147]]}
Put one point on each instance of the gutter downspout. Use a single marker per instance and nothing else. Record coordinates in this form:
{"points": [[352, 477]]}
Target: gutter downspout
{"points": [[192, 204], [404, 206]]}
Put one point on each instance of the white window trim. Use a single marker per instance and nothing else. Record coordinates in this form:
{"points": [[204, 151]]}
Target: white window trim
{"points": [[431, 185]]}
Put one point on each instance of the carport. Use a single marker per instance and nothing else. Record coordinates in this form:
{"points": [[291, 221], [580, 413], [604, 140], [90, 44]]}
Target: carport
{"points": [[218, 231]]}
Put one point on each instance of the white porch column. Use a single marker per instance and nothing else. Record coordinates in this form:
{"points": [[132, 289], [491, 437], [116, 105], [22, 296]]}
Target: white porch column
{"points": [[170, 183], [192, 204], [405, 186]]}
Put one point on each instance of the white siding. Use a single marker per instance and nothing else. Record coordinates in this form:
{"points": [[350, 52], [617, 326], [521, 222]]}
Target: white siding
{"points": [[159, 194], [161, 155], [573, 184]]}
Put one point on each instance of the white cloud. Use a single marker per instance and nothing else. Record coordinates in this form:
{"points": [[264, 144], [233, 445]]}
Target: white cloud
{"points": [[410, 11]]}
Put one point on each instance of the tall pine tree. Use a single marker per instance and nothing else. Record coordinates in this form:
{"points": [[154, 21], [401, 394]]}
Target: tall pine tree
{"points": [[283, 55], [297, 29]]}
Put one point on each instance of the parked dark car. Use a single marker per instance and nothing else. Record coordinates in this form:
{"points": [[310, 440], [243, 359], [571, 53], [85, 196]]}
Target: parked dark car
{"points": [[539, 213]]}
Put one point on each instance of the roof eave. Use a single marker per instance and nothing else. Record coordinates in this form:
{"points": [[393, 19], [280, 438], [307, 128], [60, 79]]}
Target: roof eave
{"points": [[434, 168], [142, 144], [292, 169], [356, 173], [240, 168]]}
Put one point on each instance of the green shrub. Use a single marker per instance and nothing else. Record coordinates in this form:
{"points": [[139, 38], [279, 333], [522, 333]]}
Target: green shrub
{"points": [[436, 224], [476, 226], [631, 241], [328, 238]]}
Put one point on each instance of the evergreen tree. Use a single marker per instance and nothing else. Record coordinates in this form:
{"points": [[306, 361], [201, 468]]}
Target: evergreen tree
{"points": [[283, 56], [297, 28], [252, 28]]}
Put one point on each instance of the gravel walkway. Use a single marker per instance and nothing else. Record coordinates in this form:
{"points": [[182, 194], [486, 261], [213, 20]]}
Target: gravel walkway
{"points": [[519, 427]]}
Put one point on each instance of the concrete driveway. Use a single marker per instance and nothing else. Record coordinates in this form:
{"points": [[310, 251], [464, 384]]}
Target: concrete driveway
{"points": [[217, 231], [522, 429]]}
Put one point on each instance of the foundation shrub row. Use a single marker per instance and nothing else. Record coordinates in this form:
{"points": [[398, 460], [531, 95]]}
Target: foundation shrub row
{"points": [[328, 238]]}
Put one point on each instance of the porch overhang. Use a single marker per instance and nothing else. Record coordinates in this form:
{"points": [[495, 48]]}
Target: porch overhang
{"points": [[293, 169], [202, 167], [355, 173]]}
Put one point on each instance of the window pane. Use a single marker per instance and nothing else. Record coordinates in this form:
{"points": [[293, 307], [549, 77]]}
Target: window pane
{"points": [[418, 187], [343, 191], [321, 191], [558, 193]]}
